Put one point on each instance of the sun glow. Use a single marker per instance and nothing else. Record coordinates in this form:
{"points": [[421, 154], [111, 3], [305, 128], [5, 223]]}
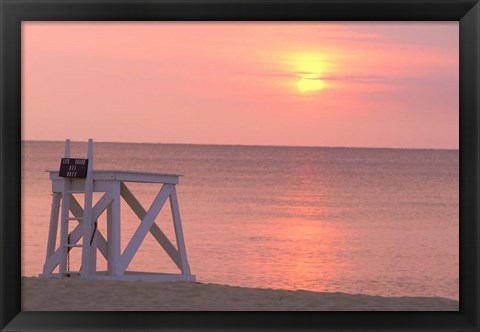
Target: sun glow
{"points": [[310, 67]]}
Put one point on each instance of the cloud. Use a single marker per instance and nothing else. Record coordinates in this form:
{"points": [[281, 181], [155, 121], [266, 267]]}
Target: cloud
{"points": [[340, 78], [363, 79]]}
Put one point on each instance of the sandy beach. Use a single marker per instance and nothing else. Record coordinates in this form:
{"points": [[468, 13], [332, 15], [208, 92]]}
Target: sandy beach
{"points": [[71, 294]]}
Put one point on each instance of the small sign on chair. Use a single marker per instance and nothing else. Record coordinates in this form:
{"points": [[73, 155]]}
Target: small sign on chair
{"points": [[73, 168]]}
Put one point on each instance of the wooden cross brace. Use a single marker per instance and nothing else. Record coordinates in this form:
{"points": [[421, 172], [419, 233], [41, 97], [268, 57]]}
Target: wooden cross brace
{"points": [[147, 224]]}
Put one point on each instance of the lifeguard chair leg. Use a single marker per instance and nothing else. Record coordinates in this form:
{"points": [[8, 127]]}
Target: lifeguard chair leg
{"points": [[87, 263], [177, 223], [113, 231], [64, 217], [52, 233]]}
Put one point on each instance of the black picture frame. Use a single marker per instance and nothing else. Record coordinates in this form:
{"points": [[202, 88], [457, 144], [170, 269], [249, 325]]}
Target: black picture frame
{"points": [[13, 12]]}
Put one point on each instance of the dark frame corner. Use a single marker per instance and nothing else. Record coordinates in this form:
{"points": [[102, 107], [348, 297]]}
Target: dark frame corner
{"points": [[13, 12]]}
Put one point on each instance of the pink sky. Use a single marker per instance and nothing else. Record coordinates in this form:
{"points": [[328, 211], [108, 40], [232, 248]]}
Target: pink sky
{"points": [[382, 84]]}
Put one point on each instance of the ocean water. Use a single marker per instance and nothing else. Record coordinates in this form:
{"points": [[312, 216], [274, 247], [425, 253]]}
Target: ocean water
{"points": [[371, 221]]}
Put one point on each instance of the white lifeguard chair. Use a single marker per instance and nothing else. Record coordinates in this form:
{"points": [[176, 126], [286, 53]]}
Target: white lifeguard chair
{"points": [[78, 176]]}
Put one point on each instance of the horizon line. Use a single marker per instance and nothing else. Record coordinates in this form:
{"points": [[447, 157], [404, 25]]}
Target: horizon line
{"points": [[258, 145]]}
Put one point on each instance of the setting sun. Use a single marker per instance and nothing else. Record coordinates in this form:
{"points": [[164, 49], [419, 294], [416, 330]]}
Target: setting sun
{"points": [[305, 85]]}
